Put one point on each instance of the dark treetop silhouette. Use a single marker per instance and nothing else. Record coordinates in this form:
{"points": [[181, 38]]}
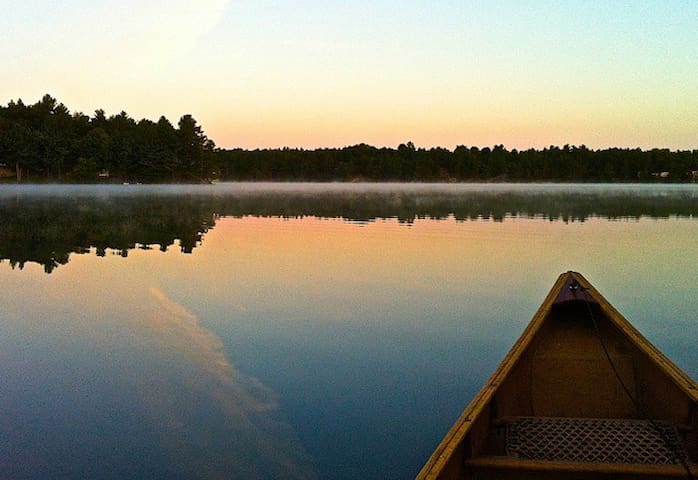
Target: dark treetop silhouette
{"points": [[45, 142]]}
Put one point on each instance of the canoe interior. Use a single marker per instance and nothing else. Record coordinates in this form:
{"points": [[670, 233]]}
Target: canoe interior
{"points": [[559, 369]]}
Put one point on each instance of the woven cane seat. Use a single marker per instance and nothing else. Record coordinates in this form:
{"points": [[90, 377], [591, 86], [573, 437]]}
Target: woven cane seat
{"points": [[593, 440]]}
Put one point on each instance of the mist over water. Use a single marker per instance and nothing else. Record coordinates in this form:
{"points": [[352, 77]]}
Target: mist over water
{"points": [[299, 330]]}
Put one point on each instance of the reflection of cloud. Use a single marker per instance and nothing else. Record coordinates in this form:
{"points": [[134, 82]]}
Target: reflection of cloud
{"points": [[212, 417], [183, 332]]}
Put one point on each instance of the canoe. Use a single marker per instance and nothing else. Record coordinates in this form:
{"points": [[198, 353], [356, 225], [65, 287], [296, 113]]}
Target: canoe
{"points": [[581, 394]]}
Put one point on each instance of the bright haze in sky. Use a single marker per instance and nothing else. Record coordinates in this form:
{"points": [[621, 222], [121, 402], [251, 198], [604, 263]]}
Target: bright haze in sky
{"points": [[310, 73]]}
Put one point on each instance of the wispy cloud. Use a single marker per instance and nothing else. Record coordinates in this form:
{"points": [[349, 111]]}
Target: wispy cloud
{"points": [[93, 45]]}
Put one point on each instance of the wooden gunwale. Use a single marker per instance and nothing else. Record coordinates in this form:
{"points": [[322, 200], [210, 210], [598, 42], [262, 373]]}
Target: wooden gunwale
{"points": [[680, 378], [455, 435], [453, 439]]}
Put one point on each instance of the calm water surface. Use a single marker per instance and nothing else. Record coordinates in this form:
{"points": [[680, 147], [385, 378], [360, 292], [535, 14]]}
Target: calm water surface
{"points": [[299, 331]]}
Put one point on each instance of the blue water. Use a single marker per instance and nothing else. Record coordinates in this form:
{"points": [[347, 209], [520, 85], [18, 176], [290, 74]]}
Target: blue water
{"points": [[299, 331]]}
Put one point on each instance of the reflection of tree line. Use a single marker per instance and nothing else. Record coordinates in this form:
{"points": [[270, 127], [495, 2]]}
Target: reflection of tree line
{"points": [[46, 230]]}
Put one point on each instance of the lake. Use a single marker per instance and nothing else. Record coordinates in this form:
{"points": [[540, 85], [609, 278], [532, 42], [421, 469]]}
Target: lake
{"points": [[299, 331]]}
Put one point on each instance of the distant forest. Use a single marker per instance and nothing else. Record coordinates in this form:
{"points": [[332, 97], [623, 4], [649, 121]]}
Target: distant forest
{"points": [[45, 142]]}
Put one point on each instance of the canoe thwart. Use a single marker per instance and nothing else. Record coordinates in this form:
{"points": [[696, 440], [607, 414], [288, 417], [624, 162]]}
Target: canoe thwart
{"points": [[573, 469]]}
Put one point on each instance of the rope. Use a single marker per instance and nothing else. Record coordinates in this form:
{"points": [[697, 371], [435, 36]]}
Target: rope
{"points": [[638, 406]]}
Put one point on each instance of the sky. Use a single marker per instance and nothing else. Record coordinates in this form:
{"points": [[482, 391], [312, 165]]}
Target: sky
{"points": [[311, 73]]}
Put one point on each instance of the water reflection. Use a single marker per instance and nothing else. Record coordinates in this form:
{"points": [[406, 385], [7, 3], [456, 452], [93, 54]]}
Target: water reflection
{"points": [[46, 224], [107, 376], [215, 421], [368, 326]]}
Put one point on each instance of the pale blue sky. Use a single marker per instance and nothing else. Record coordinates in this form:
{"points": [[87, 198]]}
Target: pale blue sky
{"points": [[311, 73]]}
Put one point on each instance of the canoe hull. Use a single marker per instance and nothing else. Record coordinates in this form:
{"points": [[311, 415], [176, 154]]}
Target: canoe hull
{"points": [[577, 359]]}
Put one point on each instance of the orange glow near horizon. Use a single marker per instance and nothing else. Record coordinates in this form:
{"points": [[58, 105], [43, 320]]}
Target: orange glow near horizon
{"points": [[279, 269], [449, 122], [259, 75], [425, 250], [326, 256]]}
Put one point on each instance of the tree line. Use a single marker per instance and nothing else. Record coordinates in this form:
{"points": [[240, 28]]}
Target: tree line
{"points": [[464, 164], [46, 142]]}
